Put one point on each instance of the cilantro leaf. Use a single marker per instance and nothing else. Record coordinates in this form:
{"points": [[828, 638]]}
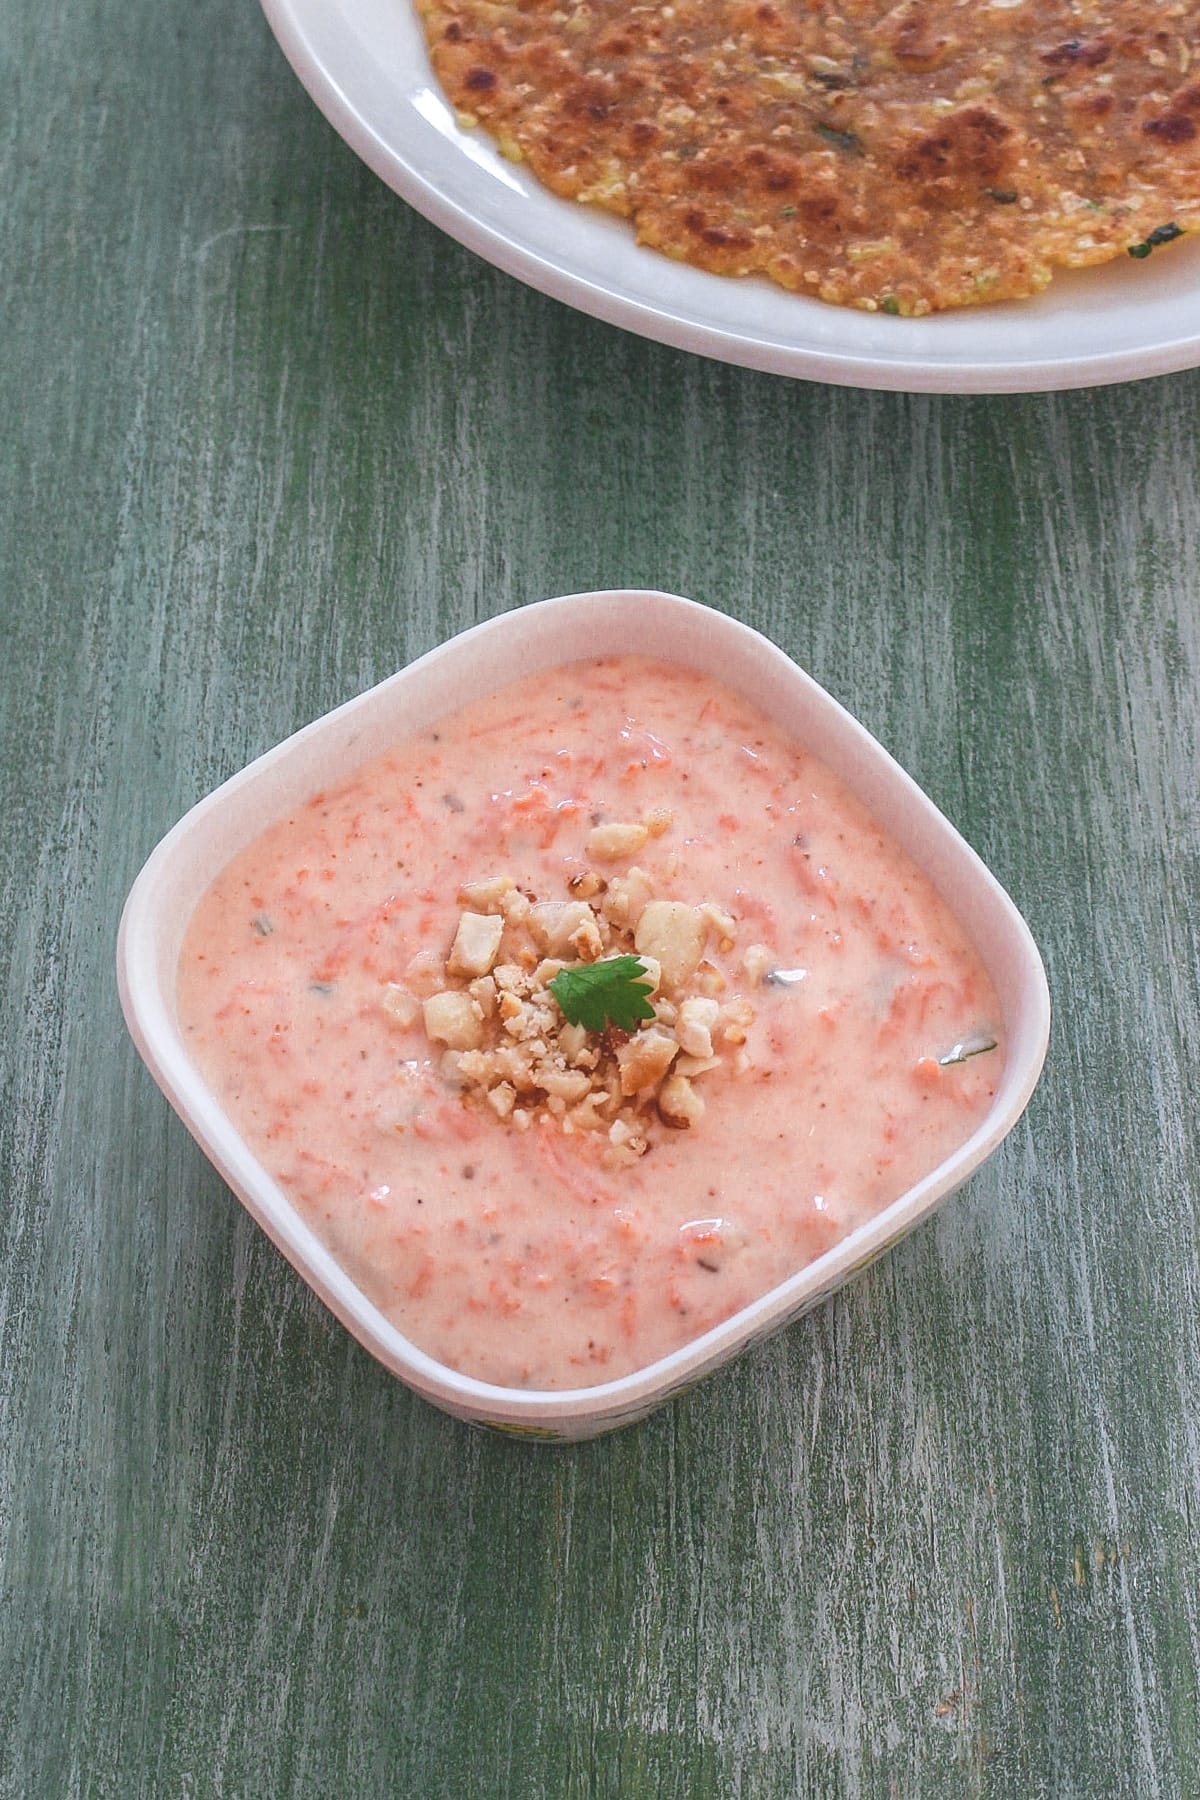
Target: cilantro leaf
{"points": [[847, 141], [614, 991], [1163, 234]]}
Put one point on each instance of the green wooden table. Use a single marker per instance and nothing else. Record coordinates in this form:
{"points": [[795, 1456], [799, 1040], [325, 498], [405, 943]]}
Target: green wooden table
{"points": [[267, 435]]}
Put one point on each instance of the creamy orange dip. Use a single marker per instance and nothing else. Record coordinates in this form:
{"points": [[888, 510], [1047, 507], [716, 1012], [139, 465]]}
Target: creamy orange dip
{"points": [[831, 1038]]}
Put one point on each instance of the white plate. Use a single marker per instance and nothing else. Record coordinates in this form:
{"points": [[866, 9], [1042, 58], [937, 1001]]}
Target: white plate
{"points": [[364, 63]]}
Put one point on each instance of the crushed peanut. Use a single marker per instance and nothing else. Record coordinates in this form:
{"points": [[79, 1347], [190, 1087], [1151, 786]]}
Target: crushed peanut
{"points": [[506, 1043], [613, 843], [476, 944], [400, 1005], [673, 933], [758, 963]]}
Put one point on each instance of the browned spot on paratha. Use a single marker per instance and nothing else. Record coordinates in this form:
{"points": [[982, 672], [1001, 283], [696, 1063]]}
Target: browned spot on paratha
{"points": [[913, 157]]}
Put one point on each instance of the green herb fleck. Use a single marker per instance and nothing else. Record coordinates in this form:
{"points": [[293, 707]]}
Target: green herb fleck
{"points": [[614, 991], [975, 1046], [1163, 234], [1002, 196], [889, 304], [262, 925], [321, 987], [848, 141], [787, 212]]}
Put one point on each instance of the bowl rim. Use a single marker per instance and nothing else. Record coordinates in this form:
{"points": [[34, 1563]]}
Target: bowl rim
{"points": [[524, 638]]}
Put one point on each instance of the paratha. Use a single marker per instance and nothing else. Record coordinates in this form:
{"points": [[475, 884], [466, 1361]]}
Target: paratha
{"points": [[934, 154]]}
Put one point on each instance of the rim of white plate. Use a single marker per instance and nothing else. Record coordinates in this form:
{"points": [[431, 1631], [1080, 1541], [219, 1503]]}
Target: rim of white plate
{"points": [[364, 64]]}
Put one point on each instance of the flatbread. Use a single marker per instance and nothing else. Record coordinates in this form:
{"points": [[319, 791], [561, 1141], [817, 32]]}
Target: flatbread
{"points": [[933, 154]]}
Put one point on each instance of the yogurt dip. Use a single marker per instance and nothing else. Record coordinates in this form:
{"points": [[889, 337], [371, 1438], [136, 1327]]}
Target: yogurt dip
{"points": [[367, 990]]}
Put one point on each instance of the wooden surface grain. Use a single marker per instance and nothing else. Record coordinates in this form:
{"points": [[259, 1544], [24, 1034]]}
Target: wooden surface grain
{"points": [[266, 436]]}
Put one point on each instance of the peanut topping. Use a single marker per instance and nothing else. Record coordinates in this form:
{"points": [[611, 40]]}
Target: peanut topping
{"points": [[506, 1043], [612, 843], [679, 1105], [476, 944], [673, 933], [454, 1019]]}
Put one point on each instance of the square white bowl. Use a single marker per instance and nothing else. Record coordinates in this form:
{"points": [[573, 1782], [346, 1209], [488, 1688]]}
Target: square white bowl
{"points": [[478, 662]]}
